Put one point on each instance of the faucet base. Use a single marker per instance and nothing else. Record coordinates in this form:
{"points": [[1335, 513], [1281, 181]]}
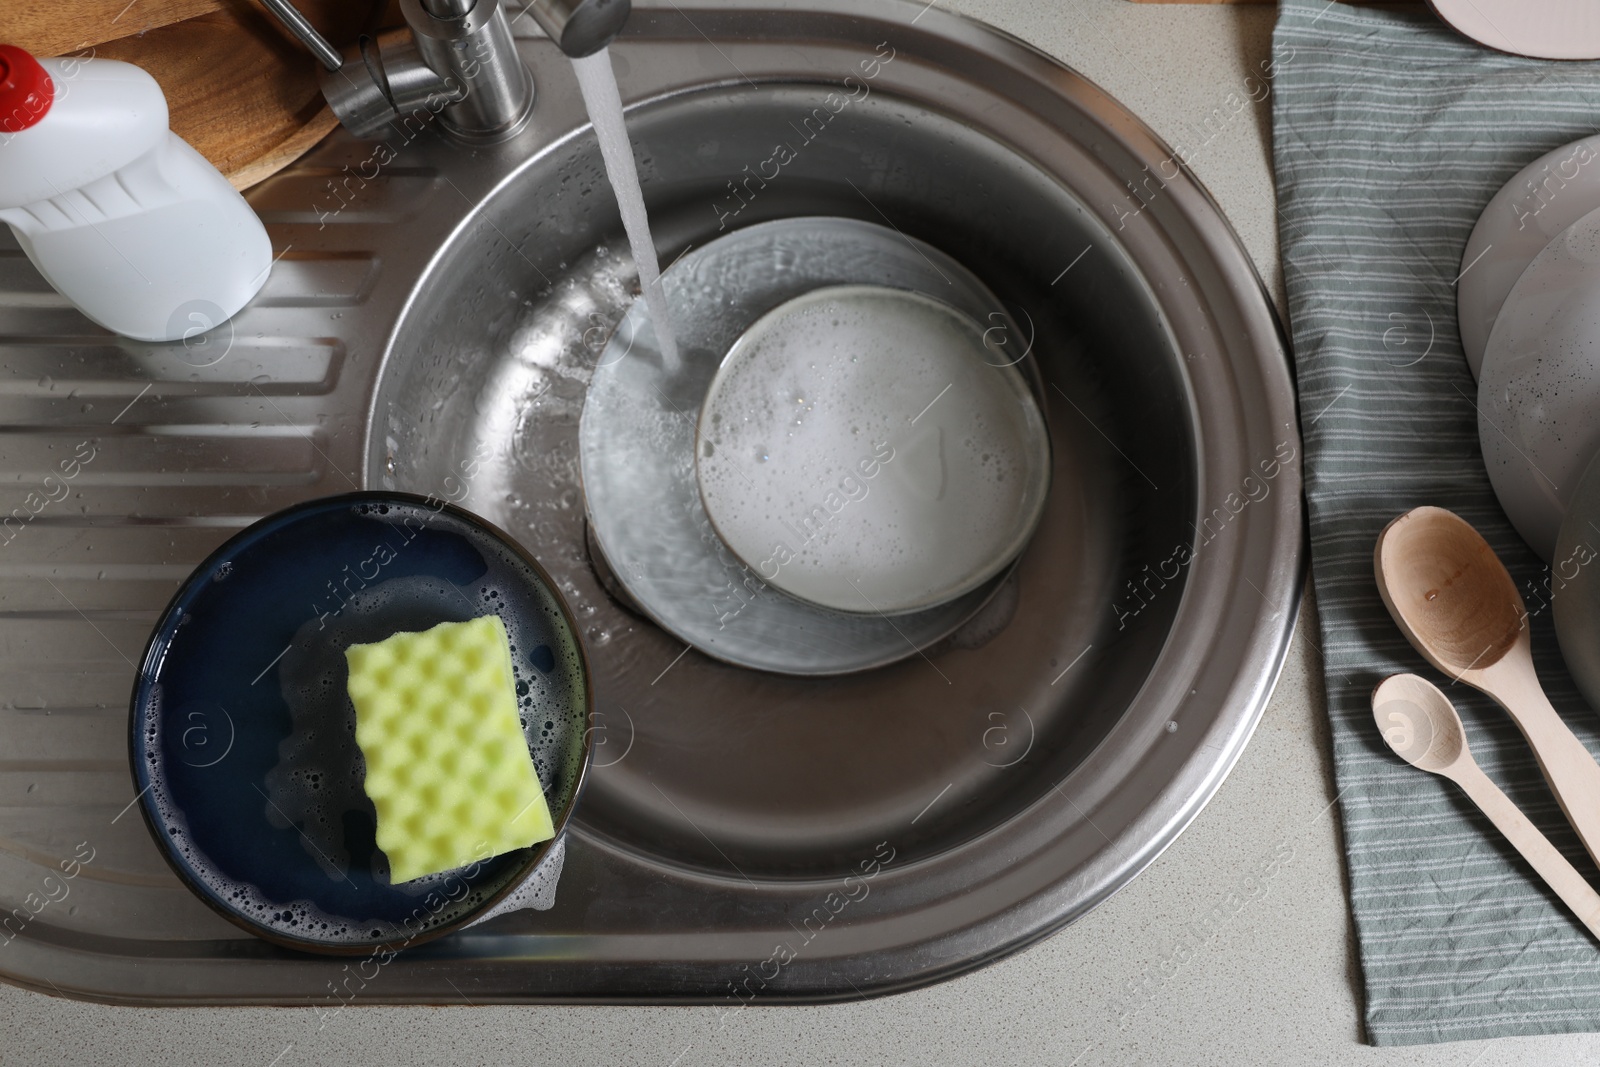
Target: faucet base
{"points": [[474, 51]]}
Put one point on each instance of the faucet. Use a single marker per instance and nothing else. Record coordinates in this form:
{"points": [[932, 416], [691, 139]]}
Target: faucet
{"points": [[457, 60]]}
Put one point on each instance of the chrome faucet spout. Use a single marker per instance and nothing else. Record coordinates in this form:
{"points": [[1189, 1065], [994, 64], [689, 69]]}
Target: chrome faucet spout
{"points": [[581, 27]]}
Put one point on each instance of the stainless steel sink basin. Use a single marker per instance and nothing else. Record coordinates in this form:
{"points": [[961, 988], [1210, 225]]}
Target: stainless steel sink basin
{"points": [[431, 326]]}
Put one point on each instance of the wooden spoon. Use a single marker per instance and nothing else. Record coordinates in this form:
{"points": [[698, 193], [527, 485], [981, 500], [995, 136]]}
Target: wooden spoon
{"points": [[1422, 727], [1457, 605]]}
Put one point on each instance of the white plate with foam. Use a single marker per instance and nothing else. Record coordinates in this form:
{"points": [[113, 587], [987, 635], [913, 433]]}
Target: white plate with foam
{"points": [[860, 449]]}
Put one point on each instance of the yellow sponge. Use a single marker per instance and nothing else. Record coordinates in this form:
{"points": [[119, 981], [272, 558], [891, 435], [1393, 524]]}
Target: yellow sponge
{"points": [[447, 764]]}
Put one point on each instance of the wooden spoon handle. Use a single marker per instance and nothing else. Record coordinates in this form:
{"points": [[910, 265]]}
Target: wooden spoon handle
{"points": [[1536, 848], [1571, 772]]}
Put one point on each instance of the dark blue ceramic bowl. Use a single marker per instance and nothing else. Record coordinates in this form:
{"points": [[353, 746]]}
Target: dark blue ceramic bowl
{"points": [[242, 735]]}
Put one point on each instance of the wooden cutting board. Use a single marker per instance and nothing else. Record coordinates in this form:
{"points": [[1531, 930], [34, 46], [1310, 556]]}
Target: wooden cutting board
{"points": [[240, 89]]}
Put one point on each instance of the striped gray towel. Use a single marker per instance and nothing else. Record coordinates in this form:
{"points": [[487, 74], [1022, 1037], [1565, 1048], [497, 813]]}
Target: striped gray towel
{"points": [[1390, 136]]}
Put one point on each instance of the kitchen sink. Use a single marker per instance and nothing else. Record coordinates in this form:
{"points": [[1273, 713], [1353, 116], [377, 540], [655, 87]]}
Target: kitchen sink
{"points": [[431, 325]]}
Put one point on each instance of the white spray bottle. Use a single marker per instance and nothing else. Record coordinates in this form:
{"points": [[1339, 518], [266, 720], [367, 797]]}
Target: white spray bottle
{"points": [[118, 213]]}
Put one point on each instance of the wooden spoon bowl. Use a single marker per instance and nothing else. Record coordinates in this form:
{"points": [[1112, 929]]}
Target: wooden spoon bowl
{"points": [[1420, 724], [1447, 590]]}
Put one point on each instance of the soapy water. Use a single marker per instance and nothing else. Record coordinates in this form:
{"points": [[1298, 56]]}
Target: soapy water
{"points": [[316, 787], [856, 437], [298, 918], [598, 83]]}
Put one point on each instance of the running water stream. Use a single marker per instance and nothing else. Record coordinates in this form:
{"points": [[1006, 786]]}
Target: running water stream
{"points": [[599, 86]]}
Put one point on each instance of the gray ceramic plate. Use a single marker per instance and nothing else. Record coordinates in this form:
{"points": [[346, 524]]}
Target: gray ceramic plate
{"points": [[636, 447], [1519, 222], [1575, 584]]}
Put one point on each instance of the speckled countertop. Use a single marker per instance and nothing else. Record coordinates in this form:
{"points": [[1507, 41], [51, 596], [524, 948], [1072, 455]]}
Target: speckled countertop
{"points": [[1186, 965]]}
